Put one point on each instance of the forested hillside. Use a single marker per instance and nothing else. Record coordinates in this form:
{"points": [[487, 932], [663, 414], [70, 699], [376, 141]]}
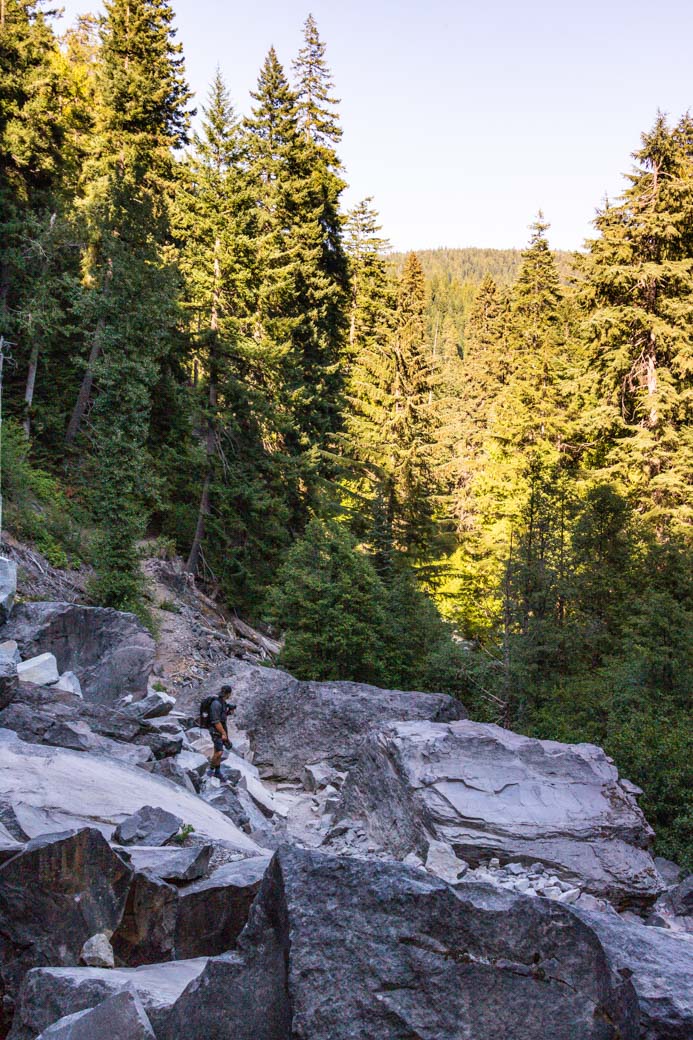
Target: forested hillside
{"points": [[467, 471]]}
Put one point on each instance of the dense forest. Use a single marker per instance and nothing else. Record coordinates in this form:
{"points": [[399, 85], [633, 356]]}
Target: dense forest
{"points": [[466, 471]]}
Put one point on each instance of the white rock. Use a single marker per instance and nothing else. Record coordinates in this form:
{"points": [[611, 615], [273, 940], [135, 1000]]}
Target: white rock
{"points": [[522, 884], [10, 651], [8, 587], [41, 670], [52, 789], [442, 861], [552, 892], [412, 860], [570, 896], [97, 952], [69, 682], [495, 862]]}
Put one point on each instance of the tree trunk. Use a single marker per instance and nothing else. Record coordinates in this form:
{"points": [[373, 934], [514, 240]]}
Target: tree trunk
{"points": [[30, 383]]}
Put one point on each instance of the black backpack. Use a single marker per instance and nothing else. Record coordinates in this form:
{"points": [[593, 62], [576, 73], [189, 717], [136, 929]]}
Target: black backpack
{"points": [[205, 705]]}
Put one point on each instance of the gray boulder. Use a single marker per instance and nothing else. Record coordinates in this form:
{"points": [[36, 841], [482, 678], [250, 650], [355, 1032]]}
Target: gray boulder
{"points": [[49, 994], [110, 652], [162, 922], [170, 863], [339, 948], [660, 966], [213, 913], [292, 723], [8, 587], [119, 1017], [148, 826], [171, 770], [669, 872], [97, 952], [41, 670], [489, 792], [154, 705], [54, 895], [49, 789]]}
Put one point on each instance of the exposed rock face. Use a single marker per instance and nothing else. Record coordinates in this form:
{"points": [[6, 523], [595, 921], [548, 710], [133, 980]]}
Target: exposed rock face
{"points": [[49, 994], [57, 893], [120, 1017], [292, 724], [490, 792], [8, 587], [49, 789], [381, 950], [662, 967], [110, 652]]}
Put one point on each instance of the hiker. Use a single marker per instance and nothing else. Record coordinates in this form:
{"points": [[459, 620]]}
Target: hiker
{"points": [[214, 712]]}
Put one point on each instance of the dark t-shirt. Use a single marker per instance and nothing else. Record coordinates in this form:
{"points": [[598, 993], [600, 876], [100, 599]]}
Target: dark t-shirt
{"points": [[218, 712]]}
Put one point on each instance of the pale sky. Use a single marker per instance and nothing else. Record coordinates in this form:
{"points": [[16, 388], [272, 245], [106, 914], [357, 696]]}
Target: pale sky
{"points": [[463, 118]]}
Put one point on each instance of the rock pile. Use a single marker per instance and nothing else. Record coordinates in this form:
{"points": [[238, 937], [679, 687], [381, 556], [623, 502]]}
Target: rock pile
{"points": [[432, 877]]}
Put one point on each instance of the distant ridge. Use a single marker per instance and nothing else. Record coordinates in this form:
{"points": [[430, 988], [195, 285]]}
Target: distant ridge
{"points": [[472, 264]]}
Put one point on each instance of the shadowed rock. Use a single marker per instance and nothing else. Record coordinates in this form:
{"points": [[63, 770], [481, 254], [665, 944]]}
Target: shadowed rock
{"points": [[54, 895], [110, 652], [339, 948], [120, 1017]]}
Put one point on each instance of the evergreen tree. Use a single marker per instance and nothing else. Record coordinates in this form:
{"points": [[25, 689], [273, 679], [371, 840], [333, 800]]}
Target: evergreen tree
{"points": [[638, 292], [130, 286]]}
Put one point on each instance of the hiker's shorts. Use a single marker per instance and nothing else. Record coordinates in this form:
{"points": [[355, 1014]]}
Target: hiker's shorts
{"points": [[217, 740]]}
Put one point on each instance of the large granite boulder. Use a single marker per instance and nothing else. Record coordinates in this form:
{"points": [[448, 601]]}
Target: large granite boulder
{"points": [[49, 994], [110, 652], [162, 922], [339, 948], [54, 895], [119, 1017], [292, 724], [489, 792], [168, 862], [660, 965], [49, 789]]}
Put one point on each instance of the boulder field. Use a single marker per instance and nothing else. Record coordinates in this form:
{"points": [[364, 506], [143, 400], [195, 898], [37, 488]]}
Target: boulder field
{"points": [[374, 865]]}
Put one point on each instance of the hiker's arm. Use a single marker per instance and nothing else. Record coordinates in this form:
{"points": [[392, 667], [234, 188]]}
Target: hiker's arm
{"points": [[219, 727]]}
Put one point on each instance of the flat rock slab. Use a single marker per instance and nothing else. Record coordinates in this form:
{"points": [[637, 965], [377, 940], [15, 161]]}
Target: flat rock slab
{"points": [[50, 789], [291, 723], [57, 893], [41, 670], [373, 949], [49, 994], [661, 963], [489, 792], [120, 1017], [169, 863], [111, 652]]}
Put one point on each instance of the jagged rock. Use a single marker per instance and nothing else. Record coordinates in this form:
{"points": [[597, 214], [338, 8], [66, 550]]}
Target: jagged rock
{"points": [[169, 863], [120, 1017], [442, 861], [8, 587], [321, 774], [79, 736], [49, 789], [9, 682], [230, 801], [290, 723], [171, 770], [146, 933], [111, 652], [9, 846], [54, 895], [212, 913], [153, 706], [69, 682], [41, 670], [9, 651], [162, 922], [162, 745], [49, 994], [148, 826], [97, 952], [490, 792], [373, 949], [194, 765], [661, 964], [668, 871], [680, 898]]}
